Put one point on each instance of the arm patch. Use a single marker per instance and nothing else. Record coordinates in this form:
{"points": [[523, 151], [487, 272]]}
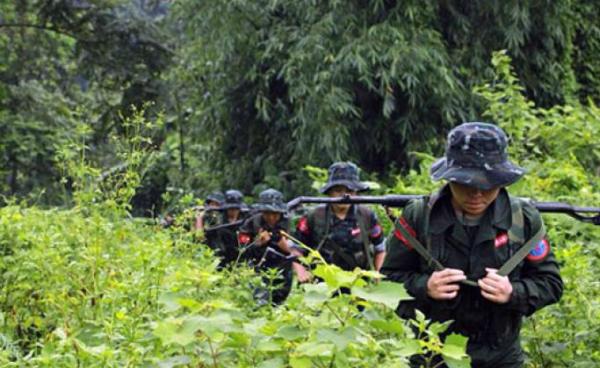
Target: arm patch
{"points": [[243, 238], [302, 226], [540, 251]]}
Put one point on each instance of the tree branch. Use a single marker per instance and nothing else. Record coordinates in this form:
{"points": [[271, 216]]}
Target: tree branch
{"points": [[40, 27]]}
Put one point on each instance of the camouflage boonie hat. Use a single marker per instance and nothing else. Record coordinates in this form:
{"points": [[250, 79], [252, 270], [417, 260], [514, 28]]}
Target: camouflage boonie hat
{"points": [[271, 200], [215, 196], [233, 199], [476, 156], [344, 174]]}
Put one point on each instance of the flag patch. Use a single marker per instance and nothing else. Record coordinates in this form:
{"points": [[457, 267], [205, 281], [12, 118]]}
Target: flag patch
{"points": [[540, 251], [376, 231], [303, 225], [501, 240]]}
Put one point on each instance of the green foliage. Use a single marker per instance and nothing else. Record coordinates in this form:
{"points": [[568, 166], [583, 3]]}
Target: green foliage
{"points": [[82, 288], [560, 149], [295, 84]]}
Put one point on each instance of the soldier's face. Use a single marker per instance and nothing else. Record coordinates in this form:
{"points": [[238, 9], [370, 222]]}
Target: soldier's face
{"points": [[212, 204], [340, 191], [271, 218], [233, 213], [471, 200]]}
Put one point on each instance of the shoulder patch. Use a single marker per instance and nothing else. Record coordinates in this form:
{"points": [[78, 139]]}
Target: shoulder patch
{"points": [[402, 222], [376, 231], [243, 238], [540, 251], [302, 225]]}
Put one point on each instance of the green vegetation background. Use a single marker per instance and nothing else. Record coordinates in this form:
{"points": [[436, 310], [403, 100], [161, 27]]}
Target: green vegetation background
{"points": [[111, 108]]}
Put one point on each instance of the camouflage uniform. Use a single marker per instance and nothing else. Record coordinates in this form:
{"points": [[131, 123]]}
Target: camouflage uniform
{"points": [[269, 255], [343, 242], [493, 329]]}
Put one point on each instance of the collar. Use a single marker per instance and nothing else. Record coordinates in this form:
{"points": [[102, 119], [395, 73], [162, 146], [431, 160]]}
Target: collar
{"points": [[442, 213]]}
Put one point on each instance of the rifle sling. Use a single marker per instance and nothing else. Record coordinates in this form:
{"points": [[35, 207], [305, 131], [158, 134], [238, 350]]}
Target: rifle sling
{"points": [[506, 268], [424, 252], [365, 239], [516, 258]]}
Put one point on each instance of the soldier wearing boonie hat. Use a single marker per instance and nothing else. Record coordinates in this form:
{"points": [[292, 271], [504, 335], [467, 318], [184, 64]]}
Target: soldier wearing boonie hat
{"points": [[210, 216], [348, 236], [487, 261], [233, 213], [266, 247]]}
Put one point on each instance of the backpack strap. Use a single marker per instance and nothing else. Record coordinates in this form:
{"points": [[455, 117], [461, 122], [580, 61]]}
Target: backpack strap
{"points": [[320, 219], [362, 219], [516, 233]]}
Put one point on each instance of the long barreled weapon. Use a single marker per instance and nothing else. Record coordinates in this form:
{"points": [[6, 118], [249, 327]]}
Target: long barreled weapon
{"points": [[396, 200]]}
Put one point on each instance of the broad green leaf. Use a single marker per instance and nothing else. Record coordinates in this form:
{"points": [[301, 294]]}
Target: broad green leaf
{"points": [[407, 347], [340, 338], [314, 349], [272, 363], [315, 295], [334, 276], [392, 326], [290, 332], [175, 361], [178, 331], [170, 301], [454, 351], [385, 292], [269, 345], [300, 362]]}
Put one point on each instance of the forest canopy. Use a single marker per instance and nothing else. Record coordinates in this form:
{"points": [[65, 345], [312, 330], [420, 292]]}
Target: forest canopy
{"points": [[251, 92]]}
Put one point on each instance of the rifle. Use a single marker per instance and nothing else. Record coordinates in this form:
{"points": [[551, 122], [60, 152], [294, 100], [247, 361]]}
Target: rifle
{"points": [[224, 226], [396, 200]]}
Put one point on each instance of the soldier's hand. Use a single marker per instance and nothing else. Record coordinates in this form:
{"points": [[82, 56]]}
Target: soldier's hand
{"points": [[443, 285], [494, 287], [301, 272], [263, 237]]}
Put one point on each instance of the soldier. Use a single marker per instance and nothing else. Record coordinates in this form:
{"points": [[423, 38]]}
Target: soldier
{"points": [[266, 248], [346, 235], [472, 253], [210, 216], [234, 211]]}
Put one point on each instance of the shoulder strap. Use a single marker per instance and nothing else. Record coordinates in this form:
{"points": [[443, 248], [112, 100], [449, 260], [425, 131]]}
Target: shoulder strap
{"points": [[321, 218], [363, 213], [516, 233], [517, 229], [418, 247]]}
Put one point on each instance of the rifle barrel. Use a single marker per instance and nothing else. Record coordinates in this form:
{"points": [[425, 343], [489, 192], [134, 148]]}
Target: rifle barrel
{"points": [[397, 200]]}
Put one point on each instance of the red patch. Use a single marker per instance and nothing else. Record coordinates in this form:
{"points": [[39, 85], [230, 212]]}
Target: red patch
{"points": [[302, 226], [355, 231], [540, 251], [501, 240], [408, 228], [243, 238], [376, 231]]}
